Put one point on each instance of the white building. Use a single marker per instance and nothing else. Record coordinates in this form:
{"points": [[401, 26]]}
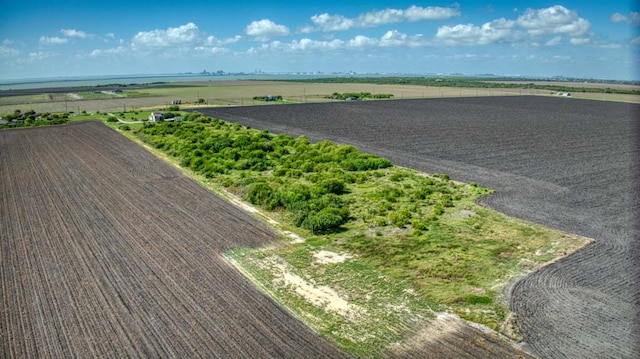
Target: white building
{"points": [[156, 116]]}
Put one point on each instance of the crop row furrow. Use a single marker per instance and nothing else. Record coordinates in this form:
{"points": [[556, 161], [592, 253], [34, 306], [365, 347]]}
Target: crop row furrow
{"points": [[109, 252]]}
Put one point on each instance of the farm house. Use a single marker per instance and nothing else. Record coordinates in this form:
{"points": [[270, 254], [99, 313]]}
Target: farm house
{"points": [[156, 116]]}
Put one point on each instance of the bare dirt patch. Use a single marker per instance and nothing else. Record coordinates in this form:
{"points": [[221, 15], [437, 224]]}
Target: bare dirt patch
{"points": [[328, 257]]}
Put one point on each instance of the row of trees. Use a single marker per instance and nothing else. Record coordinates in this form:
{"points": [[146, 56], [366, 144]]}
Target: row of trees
{"points": [[32, 119], [268, 98], [353, 96], [468, 83]]}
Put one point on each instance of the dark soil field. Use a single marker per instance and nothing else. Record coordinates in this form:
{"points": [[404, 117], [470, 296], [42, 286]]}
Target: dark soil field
{"points": [[108, 252], [566, 163]]}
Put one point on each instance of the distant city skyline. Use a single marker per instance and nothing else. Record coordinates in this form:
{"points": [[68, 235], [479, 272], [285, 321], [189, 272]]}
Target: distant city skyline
{"points": [[575, 39]]}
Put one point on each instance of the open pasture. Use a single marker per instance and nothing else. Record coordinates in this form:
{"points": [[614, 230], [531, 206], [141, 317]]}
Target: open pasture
{"points": [[567, 163], [106, 251]]}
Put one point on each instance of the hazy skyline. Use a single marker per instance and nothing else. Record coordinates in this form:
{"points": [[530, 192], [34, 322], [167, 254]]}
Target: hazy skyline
{"points": [[526, 38]]}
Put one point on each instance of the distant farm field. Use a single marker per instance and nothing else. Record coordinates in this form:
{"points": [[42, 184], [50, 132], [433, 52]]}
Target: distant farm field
{"points": [[106, 251], [567, 163], [237, 93]]}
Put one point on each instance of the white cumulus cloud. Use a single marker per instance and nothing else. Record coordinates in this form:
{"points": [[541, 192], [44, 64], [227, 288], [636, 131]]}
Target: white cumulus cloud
{"points": [[417, 13], [6, 49], [114, 51], [396, 38], [553, 20], [554, 41], [469, 34], [633, 18], [187, 34], [544, 26], [41, 55], [265, 29], [328, 22], [54, 40], [308, 44], [213, 41], [580, 40], [74, 33], [362, 41]]}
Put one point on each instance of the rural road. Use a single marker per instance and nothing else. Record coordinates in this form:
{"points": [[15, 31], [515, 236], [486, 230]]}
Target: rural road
{"points": [[566, 163]]}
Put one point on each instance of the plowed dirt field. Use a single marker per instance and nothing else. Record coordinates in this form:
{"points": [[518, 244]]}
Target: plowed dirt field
{"points": [[566, 163], [107, 252]]}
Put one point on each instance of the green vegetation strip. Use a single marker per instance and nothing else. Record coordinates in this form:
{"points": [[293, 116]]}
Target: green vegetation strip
{"points": [[380, 249], [32, 119], [464, 83]]}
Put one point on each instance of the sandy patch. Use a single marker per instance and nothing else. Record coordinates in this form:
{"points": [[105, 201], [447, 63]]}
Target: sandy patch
{"points": [[294, 237], [328, 257], [318, 295]]}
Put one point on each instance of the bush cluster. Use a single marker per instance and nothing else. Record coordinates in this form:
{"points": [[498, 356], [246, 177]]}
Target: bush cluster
{"points": [[33, 119], [275, 172], [358, 96]]}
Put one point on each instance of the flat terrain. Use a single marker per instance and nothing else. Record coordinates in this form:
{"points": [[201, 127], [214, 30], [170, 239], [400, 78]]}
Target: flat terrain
{"points": [[239, 93], [107, 251], [567, 163]]}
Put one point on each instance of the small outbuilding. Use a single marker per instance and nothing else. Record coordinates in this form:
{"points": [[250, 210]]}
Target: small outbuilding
{"points": [[156, 116]]}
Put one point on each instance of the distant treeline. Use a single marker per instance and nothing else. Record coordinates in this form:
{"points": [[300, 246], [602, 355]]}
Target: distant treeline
{"points": [[32, 119], [132, 84], [464, 82], [358, 96]]}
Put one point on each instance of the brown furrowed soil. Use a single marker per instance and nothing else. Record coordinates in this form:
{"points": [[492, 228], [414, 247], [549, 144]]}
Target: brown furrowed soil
{"points": [[566, 163], [106, 251]]}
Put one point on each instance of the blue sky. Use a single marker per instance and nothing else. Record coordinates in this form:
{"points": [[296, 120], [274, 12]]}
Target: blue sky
{"points": [[584, 39]]}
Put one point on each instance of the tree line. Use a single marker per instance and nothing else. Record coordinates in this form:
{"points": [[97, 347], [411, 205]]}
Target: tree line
{"points": [[32, 119], [472, 82]]}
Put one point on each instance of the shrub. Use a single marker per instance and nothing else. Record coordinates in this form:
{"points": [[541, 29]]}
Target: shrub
{"points": [[261, 194], [400, 218], [365, 163], [330, 186], [323, 221], [419, 224]]}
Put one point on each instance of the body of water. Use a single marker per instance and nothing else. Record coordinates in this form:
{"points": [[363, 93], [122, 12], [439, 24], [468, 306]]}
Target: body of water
{"points": [[89, 81]]}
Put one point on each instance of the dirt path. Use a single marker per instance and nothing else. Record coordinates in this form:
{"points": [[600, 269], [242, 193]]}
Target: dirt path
{"points": [[108, 252]]}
